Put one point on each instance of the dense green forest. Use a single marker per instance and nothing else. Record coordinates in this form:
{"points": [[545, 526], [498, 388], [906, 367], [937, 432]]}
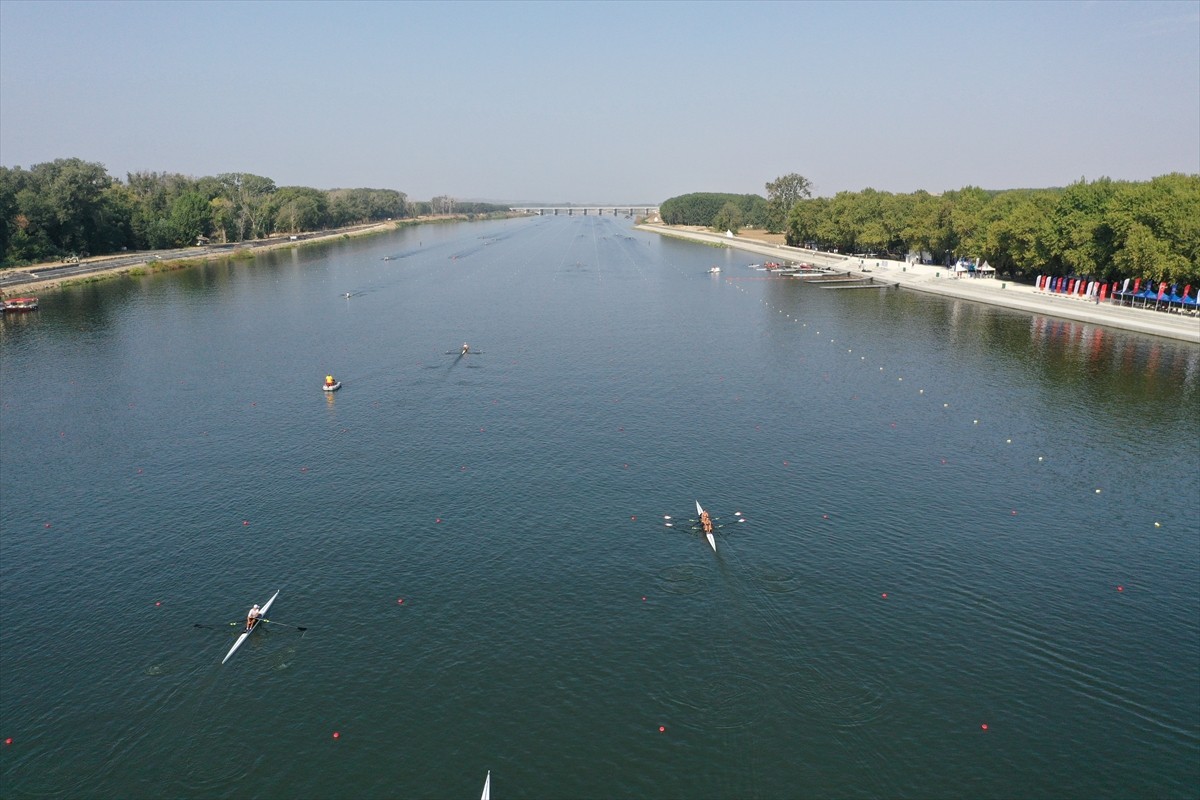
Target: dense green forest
{"points": [[73, 207], [717, 210], [1103, 229]]}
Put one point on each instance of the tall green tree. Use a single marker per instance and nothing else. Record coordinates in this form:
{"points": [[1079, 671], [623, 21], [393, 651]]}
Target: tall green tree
{"points": [[190, 218], [783, 194]]}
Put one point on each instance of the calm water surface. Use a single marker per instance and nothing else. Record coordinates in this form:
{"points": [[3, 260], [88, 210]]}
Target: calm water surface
{"points": [[955, 517]]}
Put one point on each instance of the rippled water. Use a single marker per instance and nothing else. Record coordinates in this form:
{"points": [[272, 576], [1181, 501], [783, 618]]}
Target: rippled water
{"points": [[955, 517]]}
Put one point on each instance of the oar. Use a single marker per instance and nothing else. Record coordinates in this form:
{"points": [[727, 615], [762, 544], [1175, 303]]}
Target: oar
{"points": [[284, 624], [210, 627]]}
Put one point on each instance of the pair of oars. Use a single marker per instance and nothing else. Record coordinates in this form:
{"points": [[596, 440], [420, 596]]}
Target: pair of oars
{"points": [[261, 619]]}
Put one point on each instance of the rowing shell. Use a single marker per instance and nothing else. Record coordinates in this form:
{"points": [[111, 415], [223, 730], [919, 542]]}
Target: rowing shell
{"points": [[711, 541], [487, 787], [246, 635]]}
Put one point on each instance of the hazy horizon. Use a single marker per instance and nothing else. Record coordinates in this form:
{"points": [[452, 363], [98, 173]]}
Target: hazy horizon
{"points": [[607, 102]]}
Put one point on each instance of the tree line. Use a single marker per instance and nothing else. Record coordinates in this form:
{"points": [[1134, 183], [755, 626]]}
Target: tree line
{"points": [[716, 210], [1103, 229], [70, 206]]}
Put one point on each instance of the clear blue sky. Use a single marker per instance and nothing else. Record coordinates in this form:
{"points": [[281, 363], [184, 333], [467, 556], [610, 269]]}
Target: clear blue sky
{"points": [[608, 101]]}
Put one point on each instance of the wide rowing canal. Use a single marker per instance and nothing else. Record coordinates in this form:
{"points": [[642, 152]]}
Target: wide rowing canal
{"points": [[969, 565]]}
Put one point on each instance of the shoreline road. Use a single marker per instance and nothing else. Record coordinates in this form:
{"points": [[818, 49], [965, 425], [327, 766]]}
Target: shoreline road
{"points": [[49, 275], [940, 280]]}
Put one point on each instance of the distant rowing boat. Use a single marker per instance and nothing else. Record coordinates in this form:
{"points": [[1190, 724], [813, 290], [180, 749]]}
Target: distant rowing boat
{"points": [[251, 629], [711, 541]]}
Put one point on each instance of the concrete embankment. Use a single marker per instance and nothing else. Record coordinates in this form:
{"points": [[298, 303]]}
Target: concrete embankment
{"points": [[940, 280], [43, 277]]}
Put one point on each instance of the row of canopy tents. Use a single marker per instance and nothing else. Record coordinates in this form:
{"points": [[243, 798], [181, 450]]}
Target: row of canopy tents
{"points": [[1164, 296], [974, 268]]}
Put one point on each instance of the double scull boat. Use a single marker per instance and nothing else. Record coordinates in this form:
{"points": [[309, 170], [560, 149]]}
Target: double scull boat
{"points": [[251, 629], [711, 541]]}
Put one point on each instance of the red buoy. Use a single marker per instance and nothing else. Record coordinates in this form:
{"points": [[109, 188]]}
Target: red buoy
{"points": [[337, 735], [8, 740], [984, 726], [662, 728], [1120, 588], [399, 601], [884, 595]]}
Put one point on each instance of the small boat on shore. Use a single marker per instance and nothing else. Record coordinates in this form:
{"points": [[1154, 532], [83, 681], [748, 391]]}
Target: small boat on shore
{"points": [[19, 304], [246, 634]]}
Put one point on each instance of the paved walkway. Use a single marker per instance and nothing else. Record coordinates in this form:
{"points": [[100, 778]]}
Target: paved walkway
{"points": [[941, 280]]}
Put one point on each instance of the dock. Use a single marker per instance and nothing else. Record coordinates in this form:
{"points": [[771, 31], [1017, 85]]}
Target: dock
{"points": [[847, 280]]}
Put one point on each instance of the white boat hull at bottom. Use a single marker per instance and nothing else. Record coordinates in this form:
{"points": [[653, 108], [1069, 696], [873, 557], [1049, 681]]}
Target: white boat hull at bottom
{"points": [[247, 633]]}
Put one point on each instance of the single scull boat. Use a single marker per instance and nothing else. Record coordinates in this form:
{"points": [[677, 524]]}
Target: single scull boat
{"points": [[250, 630], [711, 541], [487, 787]]}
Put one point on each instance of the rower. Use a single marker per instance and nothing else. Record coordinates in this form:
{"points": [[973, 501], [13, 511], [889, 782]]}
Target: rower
{"points": [[254, 616], [706, 522], [466, 348], [329, 381]]}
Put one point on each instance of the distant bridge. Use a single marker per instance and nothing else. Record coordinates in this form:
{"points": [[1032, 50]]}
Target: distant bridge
{"points": [[571, 211]]}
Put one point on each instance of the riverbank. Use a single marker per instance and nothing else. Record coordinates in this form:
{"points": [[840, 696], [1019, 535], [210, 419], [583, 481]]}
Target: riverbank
{"points": [[940, 280], [38, 278]]}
